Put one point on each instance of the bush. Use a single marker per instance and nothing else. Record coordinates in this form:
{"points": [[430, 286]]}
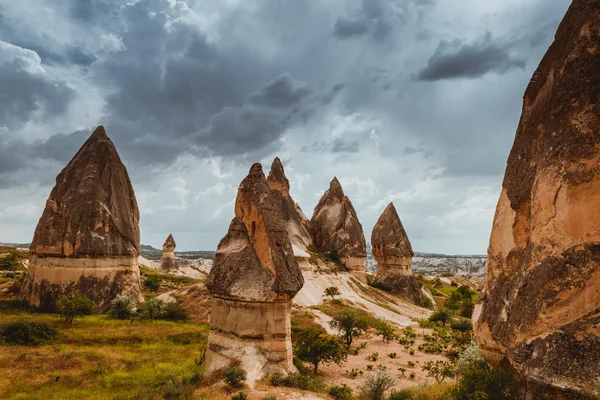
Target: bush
{"points": [[427, 303], [480, 381], [373, 357], [332, 291], [439, 370], [350, 325], [235, 376], [442, 315], [240, 396], [29, 333], [343, 392], [376, 385], [175, 312], [467, 308], [11, 261], [385, 330], [74, 305], [153, 283], [462, 325], [153, 309], [401, 395], [315, 347], [122, 307], [269, 398], [311, 382]]}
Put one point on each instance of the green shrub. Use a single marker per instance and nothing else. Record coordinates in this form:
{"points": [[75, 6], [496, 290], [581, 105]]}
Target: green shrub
{"points": [[311, 382], [373, 357], [153, 309], [385, 330], [376, 385], [427, 303], [442, 315], [122, 307], [153, 283], [74, 305], [240, 396], [29, 333], [11, 261], [315, 348], [401, 395], [175, 312], [350, 325], [462, 325], [481, 381], [235, 376], [269, 398], [467, 308], [332, 291], [343, 392]]}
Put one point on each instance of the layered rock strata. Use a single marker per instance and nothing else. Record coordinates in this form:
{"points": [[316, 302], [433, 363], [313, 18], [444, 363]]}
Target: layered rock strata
{"points": [[393, 253], [168, 262], [252, 283], [297, 224], [336, 230], [88, 237], [541, 305]]}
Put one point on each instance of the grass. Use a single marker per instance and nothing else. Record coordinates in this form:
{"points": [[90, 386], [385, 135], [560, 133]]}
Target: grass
{"points": [[100, 358], [174, 280]]}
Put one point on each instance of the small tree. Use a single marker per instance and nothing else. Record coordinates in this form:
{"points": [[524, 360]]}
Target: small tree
{"points": [[153, 283], [454, 302], [332, 291], [73, 305], [376, 385], [314, 347], [439, 370], [349, 325], [385, 330], [467, 308], [235, 376], [442, 315], [465, 292], [122, 307]]}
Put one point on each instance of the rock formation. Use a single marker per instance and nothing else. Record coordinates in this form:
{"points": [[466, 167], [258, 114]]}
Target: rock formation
{"points": [[336, 230], [541, 305], [88, 237], [168, 261], [393, 253], [252, 282], [295, 221]]}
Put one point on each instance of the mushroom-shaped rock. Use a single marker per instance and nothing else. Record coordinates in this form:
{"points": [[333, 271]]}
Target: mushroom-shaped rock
{"points": [[252, 283], [540, 309], [393, 253], [168, 262], [297, 224], [336, 229], [88, 237]]}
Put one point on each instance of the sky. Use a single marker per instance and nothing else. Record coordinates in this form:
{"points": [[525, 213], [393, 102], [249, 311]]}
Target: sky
{"points": [[414, 102]]}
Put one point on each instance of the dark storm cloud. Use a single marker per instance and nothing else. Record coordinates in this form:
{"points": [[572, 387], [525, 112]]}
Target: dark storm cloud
{"points": [[335, 146], [25, 89], [458, 59], [345, 28]]}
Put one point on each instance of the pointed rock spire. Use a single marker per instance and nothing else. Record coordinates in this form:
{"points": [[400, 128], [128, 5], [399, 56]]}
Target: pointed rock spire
{"points": [[168, 261], [540, 308], [296, 222], [169, 244], [88, 237], [393, 253]]}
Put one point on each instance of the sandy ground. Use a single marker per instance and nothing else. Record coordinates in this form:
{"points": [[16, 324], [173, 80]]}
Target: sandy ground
{"points": [[338, 375]]}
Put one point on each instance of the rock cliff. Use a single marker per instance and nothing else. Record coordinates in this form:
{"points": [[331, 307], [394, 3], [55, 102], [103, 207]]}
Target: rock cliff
{"points": [[393, 253], [335, 229], [88, 237], [541, 304]]}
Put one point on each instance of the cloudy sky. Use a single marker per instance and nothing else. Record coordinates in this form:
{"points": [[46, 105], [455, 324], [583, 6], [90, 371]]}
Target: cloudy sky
{"points": [[410, 101]]}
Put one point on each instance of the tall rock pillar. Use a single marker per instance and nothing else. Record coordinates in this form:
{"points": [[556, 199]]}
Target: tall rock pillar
{"points": [[252, 283], [88, 237], [540, 309], [168, 261]]}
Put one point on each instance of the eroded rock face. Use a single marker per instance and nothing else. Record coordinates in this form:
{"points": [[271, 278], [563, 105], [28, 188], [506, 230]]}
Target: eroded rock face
{"points": [[393, 253], [88, 237], [252, 283], [541, 309], [297, 224], [335, 229], [168, 262]]}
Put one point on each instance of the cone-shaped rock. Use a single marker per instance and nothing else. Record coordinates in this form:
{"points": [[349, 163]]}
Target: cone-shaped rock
{"points": [[88, 237], [252, 282], [296, 222], [168, 261], [541, 305], [393, 253], [336, 229]]}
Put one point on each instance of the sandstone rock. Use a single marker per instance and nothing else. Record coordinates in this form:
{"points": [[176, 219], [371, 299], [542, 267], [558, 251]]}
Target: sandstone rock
{"points": [[541, 304], [168, 261], [297, 224], [88, 237], [335, 229], [393, 253], [252, 282]]}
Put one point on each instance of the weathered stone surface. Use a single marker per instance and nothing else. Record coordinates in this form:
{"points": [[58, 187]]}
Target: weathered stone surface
{"points": [[88, 236], [297, 224], [168, 262], [253, 280], [541, 304], [393, 253], [335, 229]]}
